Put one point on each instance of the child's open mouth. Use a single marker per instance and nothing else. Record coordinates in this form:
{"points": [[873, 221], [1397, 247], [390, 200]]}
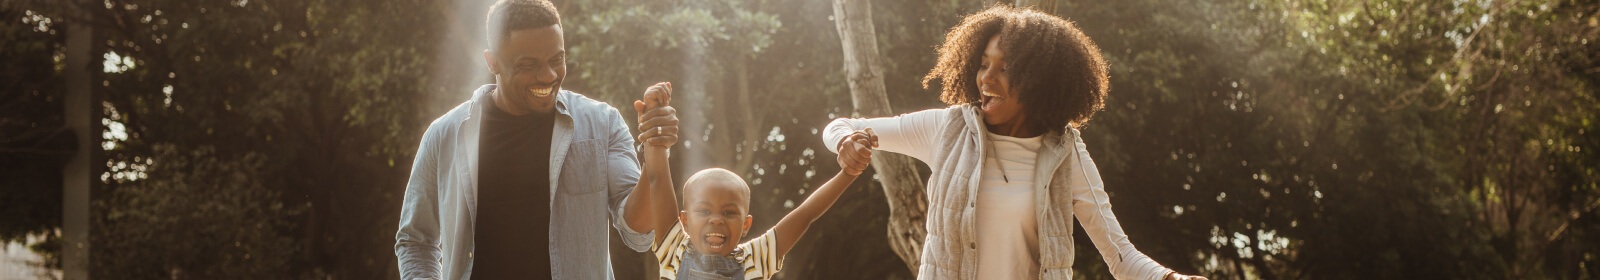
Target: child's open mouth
{"points": [[716, 240]]}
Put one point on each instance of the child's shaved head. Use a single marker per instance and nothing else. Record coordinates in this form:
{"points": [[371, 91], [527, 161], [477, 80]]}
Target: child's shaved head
{"points": [[717, 177]]}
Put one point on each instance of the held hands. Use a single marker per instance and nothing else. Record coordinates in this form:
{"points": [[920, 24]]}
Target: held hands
{"points": [[658, 122], [1176, 276], [855, 151]]}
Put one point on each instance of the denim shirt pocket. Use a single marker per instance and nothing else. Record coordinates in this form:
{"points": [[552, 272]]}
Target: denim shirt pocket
{"points": [[584, 169]]}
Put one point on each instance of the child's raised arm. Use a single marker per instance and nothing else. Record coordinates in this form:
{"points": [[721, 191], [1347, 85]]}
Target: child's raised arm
{"points": [[792, 226], [654, 158], [663, 200]]}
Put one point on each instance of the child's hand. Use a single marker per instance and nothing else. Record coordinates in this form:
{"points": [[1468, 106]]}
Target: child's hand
{"points": [[855, 151]]}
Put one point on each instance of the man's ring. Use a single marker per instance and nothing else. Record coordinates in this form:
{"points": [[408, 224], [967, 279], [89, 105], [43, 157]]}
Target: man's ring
{"points": [[658, 131]]}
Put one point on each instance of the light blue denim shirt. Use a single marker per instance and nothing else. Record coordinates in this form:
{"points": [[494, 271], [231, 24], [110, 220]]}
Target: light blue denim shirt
{"points": [[593, 153]]}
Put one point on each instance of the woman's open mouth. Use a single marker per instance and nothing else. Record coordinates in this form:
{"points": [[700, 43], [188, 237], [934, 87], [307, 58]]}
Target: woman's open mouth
{"points": [[989, 100], [716, 240]]}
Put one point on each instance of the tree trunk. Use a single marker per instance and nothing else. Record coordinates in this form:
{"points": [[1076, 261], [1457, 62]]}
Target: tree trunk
{"points": [[897, 173], [82, 111]]}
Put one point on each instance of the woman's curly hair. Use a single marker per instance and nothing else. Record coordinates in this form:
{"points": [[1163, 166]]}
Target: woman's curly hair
{"points": [[1055, 70]]}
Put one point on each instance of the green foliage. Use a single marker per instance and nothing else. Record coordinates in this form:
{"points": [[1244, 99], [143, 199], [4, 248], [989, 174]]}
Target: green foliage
{"points": [[1350, 139], [1242, 139], [324, 97], [205, 216], [32, 140]]}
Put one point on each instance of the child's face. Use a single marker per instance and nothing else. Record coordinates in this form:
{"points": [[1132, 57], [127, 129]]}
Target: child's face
{"points": [[714, 216]]}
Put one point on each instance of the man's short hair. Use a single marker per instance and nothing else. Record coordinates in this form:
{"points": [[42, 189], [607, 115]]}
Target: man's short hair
{"points": [[506, 16]]}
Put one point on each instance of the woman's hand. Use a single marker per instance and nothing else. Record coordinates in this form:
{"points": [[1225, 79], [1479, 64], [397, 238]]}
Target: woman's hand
{"points": [[855, 151]]}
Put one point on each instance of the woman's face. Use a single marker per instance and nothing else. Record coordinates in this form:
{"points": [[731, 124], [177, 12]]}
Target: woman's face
{"points": [[1001, 109]]}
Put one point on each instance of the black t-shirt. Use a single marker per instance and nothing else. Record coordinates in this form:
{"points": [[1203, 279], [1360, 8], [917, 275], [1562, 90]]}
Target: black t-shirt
{"points": [[512, 229]]}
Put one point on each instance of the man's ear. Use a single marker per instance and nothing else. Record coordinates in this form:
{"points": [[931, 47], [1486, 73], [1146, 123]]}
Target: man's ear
{"points": [[494, 65]]}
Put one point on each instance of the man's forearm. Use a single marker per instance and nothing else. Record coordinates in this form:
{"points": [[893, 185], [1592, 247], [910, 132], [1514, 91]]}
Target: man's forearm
{"points": [[637, 212], [642, 213]]}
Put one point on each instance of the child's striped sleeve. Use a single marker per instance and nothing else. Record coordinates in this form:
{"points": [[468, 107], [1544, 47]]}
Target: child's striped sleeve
{"points": [[762, 260], [668, 252]]}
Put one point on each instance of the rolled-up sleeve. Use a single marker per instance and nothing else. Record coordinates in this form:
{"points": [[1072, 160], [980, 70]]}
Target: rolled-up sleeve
{"points": [[915, 134], [1092, 207], [416, 244], [624, 176]]}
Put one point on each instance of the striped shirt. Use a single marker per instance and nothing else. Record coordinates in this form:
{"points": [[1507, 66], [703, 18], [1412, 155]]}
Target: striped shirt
{"points": [[758, 256]]}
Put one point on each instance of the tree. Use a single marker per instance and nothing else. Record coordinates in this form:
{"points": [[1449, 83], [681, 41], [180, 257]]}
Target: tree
{"points": [[228, 230], [1242, 139], [34, 142], [902, 185], [326, 93], [1297, 130], [751, 82]]}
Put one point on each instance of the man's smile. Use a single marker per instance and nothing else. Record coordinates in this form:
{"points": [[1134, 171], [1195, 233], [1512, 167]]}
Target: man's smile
{"points": [[541, 92]]}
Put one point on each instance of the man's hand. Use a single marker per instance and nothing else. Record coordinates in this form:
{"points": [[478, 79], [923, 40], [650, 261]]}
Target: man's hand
{"points": [[658, 122], [855, 151]]}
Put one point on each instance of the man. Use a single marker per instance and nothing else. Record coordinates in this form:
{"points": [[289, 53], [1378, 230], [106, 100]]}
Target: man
{"points": [[528, 171]]}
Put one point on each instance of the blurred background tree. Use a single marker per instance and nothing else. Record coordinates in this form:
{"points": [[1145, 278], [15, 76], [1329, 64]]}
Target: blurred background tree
{"points": [[1242, 139], [1353, 139], [315, 95]]}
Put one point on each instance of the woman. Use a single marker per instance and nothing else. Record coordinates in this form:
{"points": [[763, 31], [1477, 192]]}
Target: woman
{"points": [[1009, 167]]}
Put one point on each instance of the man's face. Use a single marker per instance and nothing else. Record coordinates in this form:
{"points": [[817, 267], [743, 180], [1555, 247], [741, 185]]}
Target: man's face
{"points": [[714, 217], [529, 66]]}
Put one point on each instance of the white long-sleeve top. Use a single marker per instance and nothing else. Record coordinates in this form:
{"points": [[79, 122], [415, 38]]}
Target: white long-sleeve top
{"points": [[1008, 231], [1066, 184]]}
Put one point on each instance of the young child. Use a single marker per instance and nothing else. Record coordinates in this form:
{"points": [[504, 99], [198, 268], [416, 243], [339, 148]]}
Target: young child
{"points": [[700, 241]]}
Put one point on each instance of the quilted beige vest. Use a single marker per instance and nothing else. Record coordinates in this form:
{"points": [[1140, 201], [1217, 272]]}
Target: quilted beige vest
{"points": [[950, 250]]}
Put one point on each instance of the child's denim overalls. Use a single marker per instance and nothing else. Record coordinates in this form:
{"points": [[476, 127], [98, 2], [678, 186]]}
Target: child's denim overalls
{"points": [[695, 266]]}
